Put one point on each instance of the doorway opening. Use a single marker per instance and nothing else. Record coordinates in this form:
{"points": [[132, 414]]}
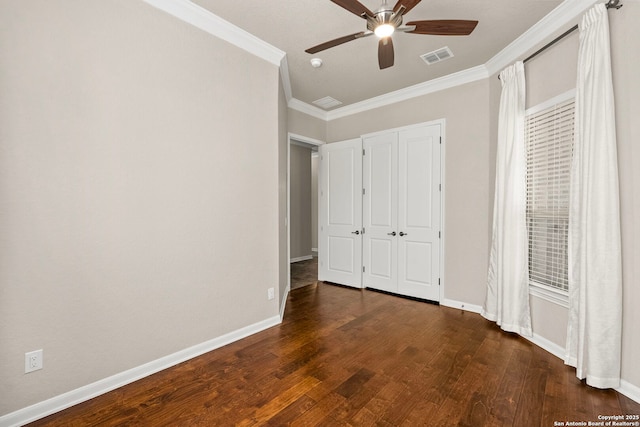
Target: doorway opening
{"points": [[302, 211]]}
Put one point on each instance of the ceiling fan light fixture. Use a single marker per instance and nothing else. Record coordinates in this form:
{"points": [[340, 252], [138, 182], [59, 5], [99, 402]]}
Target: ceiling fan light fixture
{"points": [[386, 19], [384, 30]]}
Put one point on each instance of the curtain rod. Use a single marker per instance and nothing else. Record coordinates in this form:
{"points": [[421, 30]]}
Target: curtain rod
{"points": [[611, 4]]}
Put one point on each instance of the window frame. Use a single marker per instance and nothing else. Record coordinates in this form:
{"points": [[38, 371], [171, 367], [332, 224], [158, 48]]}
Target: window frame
{"points": [[549, 293]]}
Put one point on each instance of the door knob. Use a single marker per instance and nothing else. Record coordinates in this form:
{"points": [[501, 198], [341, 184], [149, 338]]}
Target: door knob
{"points": [[393, 233], [403, 234], [355, 232]]}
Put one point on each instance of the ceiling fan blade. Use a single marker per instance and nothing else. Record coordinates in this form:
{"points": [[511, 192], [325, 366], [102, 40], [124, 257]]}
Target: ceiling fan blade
{"points": [[408, 5], [335, 42], [443, 27], [385, 53], [355, 7]]}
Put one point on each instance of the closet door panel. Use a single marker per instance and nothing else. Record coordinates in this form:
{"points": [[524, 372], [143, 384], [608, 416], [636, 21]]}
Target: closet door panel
{"points": [[340, 213], [380, 246], [419, 212]]}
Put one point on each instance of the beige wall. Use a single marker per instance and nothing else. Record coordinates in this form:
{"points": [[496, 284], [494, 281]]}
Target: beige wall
{"points": [[625, 53], [130, 227], [300, 201], [283, 147], [552, 73], [128, 216], [305, 125], [466, 181]]}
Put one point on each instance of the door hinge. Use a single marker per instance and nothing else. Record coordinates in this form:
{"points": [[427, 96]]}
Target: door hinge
{"points": [[439, 234], [362, 230], [363, 192], [440, 140], [363, 151], [363, 268], [438, 281], [440, 187]]}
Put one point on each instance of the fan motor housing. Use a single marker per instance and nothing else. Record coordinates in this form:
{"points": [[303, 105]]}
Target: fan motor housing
{"points": [[384, 15]]}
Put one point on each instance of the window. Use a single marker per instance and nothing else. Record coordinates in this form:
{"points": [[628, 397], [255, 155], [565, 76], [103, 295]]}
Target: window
{"points": [[549, 140]]}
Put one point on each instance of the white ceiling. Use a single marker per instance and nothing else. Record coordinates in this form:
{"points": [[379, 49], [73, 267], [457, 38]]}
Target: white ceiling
{"points": [[350, 71]]}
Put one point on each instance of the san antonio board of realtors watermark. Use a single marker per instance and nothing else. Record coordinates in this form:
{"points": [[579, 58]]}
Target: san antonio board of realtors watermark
{"points": [[605, 421]]}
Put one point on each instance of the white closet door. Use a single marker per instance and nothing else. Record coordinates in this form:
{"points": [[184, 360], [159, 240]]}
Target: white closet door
{"points": [[380, 245], [419, 212], [340, 213]]}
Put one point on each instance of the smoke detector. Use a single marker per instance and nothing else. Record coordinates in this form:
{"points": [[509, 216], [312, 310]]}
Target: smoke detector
{"points": [[316, 62]]}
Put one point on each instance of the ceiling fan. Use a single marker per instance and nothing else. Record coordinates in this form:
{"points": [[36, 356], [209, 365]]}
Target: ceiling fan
{"points": [[386, 20]]}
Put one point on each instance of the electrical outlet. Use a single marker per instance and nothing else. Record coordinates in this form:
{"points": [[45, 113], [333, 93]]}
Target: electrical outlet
{"points": [[271, 293], [32, 361]]}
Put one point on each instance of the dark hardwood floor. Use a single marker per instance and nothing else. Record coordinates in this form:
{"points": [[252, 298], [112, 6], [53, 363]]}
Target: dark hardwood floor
{"points": [[350, 357], [304, 273]]}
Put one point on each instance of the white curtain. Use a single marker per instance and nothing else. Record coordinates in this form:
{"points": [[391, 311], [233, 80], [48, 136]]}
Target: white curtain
{"points": [[595, 272], [507, 301]]}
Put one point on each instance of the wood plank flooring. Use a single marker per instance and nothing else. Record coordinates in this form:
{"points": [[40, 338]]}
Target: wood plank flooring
{"points": [[304, 273], [350, 357]]}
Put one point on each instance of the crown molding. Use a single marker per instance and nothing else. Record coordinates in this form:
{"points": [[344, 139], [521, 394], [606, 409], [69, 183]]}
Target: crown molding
{"points": [[303, 107], [284, 76], [203, 19], [456, 79], [566, 11]]}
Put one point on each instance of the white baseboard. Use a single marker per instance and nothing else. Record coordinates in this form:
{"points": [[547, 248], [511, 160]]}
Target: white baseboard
{"points": [[301, 258], [629, 390], [461, 305], [314, 251], [82, 394], [547, 345], [626, 388]]}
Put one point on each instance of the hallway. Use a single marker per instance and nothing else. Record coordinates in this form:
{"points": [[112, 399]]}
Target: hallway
{"points": [[304, 273]]}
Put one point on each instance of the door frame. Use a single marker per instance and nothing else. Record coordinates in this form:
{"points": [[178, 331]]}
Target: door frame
{"points": [[293, 138], [442, 122]]}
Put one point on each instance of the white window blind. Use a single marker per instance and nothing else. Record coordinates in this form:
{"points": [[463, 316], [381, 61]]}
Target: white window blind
{"points": [[549, 139]]}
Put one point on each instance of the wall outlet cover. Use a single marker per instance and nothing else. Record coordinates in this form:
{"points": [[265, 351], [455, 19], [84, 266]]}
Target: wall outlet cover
{"points": [[32, 361]]}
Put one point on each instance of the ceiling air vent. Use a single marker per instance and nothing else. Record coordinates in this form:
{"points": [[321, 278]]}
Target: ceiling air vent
{"points": [[327, 102], [437, 55]]}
